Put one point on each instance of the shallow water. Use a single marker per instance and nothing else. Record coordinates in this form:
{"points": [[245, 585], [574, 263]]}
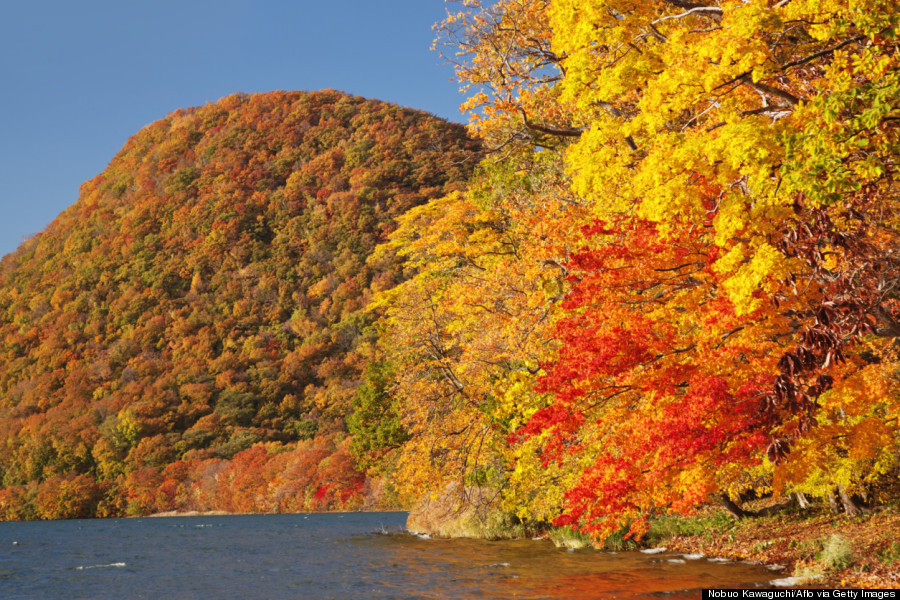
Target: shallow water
{"points": [[325, 556]]}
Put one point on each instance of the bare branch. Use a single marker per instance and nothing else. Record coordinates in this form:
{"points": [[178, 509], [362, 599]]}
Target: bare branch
{"points": [[558, 131], [686, 4], [714, 13], [769, 90], [822, 53]]}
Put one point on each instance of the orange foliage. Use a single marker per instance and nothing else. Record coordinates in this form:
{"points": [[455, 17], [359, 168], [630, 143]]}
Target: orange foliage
{"points": [[204, 295]]}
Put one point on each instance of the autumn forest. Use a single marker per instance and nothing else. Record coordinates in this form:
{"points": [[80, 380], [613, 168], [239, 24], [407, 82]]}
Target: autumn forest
{"points": [[659, 269], [191, 333]]}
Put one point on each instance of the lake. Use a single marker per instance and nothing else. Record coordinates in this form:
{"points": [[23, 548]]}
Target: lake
{"points": [[325, 556]]}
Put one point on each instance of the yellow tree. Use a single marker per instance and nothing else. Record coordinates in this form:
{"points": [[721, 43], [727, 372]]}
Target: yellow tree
{"points": [[739, 160], [466, 335]]}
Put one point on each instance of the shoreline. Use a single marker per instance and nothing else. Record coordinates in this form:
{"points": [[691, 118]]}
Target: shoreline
{"points": [[801, 547], [189, 513], [792, 544], [813, 546], [222, 513]]}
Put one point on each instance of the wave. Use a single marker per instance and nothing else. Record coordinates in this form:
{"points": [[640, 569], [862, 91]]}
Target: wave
{"points": [[117, 564]]}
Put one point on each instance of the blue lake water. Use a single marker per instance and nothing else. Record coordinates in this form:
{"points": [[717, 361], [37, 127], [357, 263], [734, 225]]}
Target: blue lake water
{"points": [[325, 556]]}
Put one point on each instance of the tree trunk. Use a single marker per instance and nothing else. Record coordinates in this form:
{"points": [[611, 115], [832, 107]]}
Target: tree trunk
{"points": [[832, 502], [733, 508], [801, 500], [850, 506]]}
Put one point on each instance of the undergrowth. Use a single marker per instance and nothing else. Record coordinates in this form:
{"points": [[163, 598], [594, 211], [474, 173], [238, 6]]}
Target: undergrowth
{"points": [[668, 526], [837, 553]]}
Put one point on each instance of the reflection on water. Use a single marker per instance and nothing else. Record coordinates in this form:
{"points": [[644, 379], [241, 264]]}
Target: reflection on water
{"points": [[325, 556], [537, 570]]}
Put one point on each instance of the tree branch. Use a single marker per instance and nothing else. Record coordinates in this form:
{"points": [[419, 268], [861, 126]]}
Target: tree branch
{"points": [[822, 53], [686, 4], [715, 14], [769, 90], [615, 112]]}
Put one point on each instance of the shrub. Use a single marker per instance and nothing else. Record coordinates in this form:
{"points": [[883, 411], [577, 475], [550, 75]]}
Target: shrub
{"points": [[891, 554], [664, 527], [837, 553]]}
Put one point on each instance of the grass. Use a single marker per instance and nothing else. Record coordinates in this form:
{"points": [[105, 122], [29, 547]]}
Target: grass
{"points": [[891, 554], [617, 542], [666, 527], [836, 553], [564, 537], [808, 572]]}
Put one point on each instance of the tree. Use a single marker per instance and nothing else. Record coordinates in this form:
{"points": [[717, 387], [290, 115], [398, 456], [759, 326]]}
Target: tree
{"points": [[375, 423], [730, 265]]}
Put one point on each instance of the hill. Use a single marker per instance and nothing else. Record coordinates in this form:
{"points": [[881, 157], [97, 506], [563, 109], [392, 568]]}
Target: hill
{"points": [[189, 334]]}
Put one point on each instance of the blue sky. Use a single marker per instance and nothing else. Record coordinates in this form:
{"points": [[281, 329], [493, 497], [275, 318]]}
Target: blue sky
{"points": [[77, 79]]}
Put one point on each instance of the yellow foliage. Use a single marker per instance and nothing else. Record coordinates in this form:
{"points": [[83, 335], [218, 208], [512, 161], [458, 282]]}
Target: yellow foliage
{"points": [[692, 137]]}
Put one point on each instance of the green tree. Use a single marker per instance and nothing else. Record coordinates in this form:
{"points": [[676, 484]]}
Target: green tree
{"points": [[375, 422]]}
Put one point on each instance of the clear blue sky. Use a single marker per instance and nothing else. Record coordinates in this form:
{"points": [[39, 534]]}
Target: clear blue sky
{"points": [[77, 79]]}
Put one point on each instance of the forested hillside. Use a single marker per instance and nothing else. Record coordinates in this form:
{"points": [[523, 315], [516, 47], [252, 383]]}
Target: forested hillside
{"points": [[189, 334], [677, 278]]}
